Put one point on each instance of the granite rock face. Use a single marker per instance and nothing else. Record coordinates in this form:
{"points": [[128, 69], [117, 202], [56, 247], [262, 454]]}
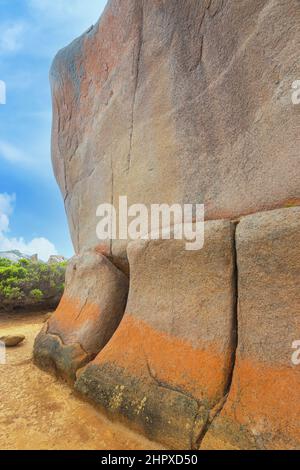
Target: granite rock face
{"points": [[184, 102], [170, 361], [178, 102], [262, 410]]}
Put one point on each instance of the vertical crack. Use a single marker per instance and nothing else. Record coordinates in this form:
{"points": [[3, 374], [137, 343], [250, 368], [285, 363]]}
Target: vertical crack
{"points": [[214, 413], [136, 59], [84, 304], [112, 203], [235, 302]]}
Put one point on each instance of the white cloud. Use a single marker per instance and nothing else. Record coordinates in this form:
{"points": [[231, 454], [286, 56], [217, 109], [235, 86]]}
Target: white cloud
{"points": [[12, 37], [6, 209], [4, 223], [11, 153], [41, 246], [7, 203]]}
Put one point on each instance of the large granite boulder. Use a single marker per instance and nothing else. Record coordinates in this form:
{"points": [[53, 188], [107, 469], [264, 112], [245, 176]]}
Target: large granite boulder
{"points": [[263, 408], [170, 361], [178, 102], [183, 102], [87, 316]]}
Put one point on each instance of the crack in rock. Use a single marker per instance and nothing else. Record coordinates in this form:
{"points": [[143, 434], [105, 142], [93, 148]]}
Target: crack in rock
{"points": [[136, 81]]}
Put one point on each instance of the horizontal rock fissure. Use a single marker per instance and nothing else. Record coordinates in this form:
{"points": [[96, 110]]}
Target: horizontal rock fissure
{"points": [[64, 345], [169, 387]]}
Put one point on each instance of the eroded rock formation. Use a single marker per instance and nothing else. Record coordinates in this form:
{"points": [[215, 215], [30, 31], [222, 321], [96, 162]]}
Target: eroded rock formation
{"points": [[184, 102], [262, 410], [87, 316], [170, 361]]}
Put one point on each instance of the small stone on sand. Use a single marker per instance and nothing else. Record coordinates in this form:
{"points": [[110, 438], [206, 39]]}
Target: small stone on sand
{"points": [[11, 341]]}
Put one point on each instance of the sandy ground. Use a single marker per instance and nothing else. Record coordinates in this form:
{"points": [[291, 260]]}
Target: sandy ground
{"points": [[39, 412]]}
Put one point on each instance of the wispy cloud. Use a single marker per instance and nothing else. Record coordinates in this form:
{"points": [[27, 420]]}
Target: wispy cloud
{"points": [[12, 36], [12, 154], [7, 203], [6, 209], [41, 246]]}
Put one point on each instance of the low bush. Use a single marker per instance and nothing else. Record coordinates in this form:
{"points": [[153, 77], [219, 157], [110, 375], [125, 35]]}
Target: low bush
{"points": [[27, 283]]}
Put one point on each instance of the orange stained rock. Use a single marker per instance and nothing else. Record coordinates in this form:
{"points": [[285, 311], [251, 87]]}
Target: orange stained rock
{"points": [[143, 351], [265, 398], [113, 49], [102, 250], [72, 313]]}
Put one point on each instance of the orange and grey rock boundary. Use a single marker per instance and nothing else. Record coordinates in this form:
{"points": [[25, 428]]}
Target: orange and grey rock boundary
{"points": [[183, 102], [203, 353]]}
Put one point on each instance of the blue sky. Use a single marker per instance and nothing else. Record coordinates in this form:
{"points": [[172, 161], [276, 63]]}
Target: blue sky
{"points": [[32, 216]]}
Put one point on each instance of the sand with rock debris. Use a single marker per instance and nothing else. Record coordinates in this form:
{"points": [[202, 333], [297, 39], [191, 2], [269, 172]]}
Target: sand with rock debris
{"points": [[37, 411]]}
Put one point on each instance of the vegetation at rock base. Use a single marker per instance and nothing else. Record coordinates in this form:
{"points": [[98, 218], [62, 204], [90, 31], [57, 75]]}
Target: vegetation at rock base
{"points": [[28, 283]]}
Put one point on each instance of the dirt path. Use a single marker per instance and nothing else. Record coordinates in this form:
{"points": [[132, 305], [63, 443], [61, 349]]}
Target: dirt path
{"points": [[39, 412]]}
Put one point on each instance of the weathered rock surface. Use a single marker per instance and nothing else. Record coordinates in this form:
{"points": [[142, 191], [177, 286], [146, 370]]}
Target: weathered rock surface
{"points": [[170, 361], [178, 102], [12, 341], [184, 102], [263, 408], [88, 314]]}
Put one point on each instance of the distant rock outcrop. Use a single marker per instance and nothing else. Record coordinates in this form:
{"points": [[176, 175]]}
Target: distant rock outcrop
{"points": [[53, 259], [14, 255], [184, 102]]}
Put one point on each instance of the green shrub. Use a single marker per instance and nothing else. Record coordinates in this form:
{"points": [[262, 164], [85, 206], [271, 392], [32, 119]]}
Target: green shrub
{"points": [[29, 282], [13, 293], [4, 262], [37, 294]]}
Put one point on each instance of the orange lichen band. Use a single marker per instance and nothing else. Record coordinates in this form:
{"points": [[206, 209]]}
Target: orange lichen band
{"points": [[265, 398], [72, 313], [141, 350]]}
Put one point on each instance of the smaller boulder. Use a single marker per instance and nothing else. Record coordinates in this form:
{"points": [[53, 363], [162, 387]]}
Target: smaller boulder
{"points": [[11, 341]]}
